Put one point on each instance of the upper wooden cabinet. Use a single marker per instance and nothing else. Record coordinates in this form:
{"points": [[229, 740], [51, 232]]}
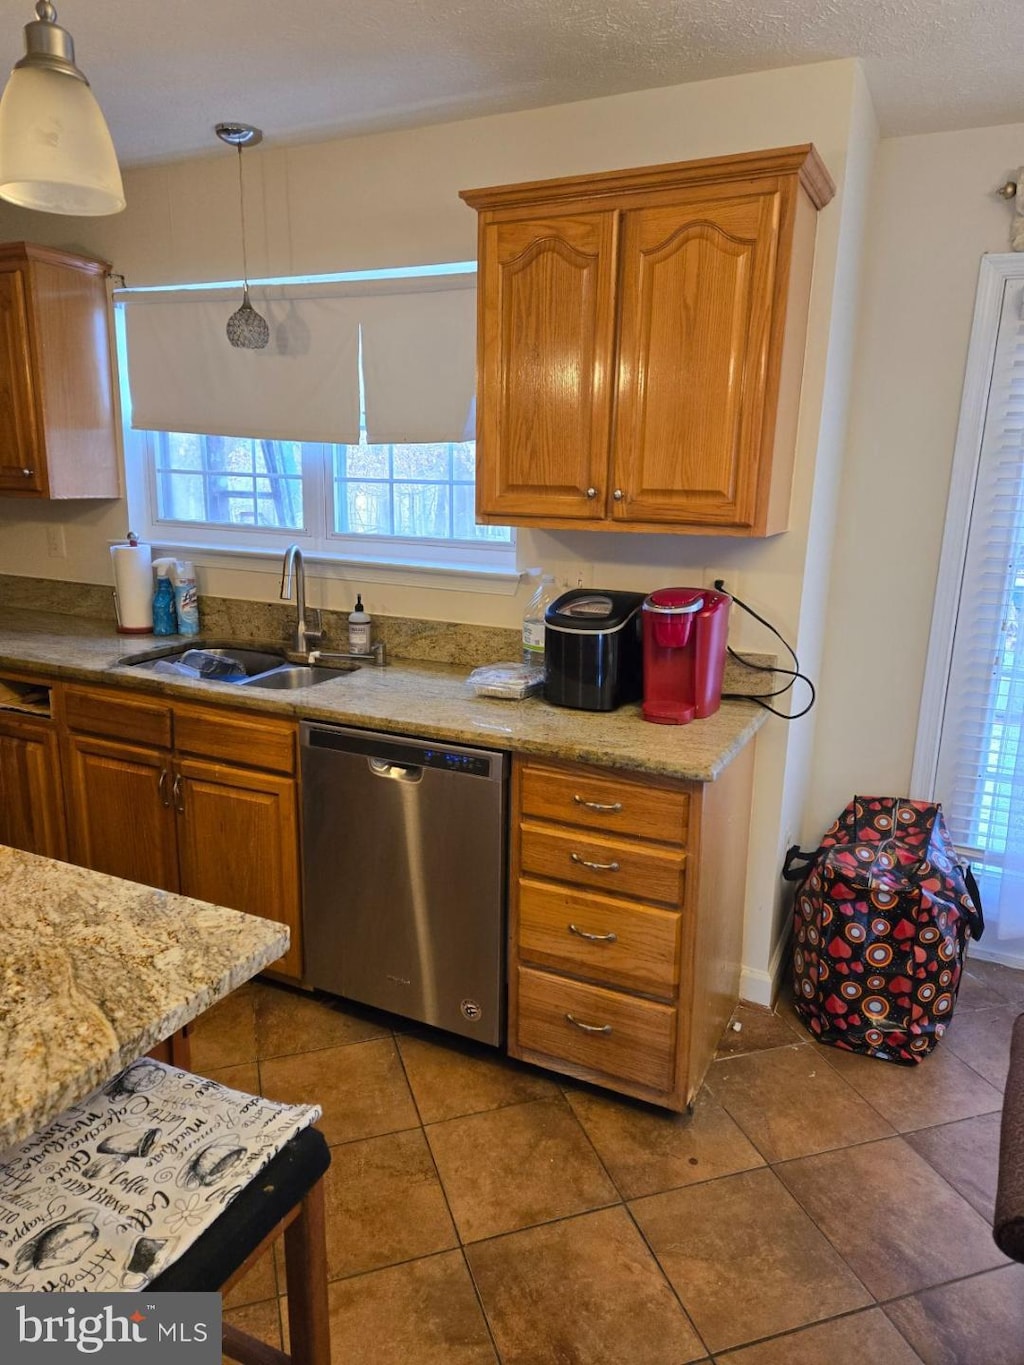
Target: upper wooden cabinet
{"points": [[56, 402], [640, 344]]}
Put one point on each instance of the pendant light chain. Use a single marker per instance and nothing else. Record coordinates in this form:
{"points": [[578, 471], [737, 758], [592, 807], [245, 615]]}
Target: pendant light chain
{"points": [[241, 201]]}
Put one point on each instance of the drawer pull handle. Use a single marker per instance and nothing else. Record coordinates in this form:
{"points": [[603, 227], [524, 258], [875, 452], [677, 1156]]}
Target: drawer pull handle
{"points": [[594, 867], [588, 1028], [611, 809], [593, 938]]}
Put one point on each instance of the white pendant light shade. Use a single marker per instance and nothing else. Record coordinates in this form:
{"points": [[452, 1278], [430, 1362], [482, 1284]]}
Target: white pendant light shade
{"points": [[56, 153]]}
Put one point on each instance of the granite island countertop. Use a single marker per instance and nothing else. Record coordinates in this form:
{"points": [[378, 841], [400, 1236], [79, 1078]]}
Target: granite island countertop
{"points": [[406, 697], [94, 971]]}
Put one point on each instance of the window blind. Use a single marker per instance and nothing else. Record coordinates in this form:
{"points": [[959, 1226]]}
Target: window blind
{"points": [[185, 375], [419, 355], [417, 338], [980, 773]]}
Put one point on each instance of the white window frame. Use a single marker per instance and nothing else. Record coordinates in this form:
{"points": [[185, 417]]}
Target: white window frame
{"points": [[993, 275]]}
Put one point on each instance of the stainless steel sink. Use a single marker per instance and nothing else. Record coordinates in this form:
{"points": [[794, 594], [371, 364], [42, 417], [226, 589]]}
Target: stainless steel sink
{"points": [[263, 667], [295, 675]]}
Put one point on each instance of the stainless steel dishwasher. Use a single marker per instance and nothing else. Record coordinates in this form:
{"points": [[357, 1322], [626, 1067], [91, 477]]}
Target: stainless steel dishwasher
{"points": [[404, 854]]}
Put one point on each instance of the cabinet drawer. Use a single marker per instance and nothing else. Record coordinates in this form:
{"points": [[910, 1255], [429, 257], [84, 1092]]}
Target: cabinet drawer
{"points": [[612, 866], [614, 804], [118, 716], [633, 1039], [643, 955], [253, 741]]}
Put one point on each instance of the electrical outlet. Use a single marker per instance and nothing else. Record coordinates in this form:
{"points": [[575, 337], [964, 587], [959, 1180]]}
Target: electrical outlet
{"points": [[729, 576], [56, 545]]}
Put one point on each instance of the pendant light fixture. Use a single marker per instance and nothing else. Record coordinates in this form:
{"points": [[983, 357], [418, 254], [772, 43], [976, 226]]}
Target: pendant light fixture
{"points": [[56, 153], [246, 328]]}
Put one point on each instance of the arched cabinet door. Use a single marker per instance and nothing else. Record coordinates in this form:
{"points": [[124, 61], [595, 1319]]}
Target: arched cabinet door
{"points": [[640, 344], [547, 324], [696, 302]]}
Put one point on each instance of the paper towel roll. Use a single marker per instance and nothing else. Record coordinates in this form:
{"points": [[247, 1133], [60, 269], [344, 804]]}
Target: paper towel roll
{"points": [[133, 588]]}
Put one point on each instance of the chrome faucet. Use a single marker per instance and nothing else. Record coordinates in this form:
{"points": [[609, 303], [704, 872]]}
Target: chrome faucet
{"points": [[304, 637]]}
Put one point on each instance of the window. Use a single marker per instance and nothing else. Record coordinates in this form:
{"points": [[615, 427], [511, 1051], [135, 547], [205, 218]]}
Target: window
{"points": [[971, 742], [406, 355], [385, 501], [227, 481]]}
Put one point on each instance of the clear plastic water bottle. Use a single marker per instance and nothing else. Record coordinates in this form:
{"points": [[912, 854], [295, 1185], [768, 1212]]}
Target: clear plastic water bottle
{"points": [[533, 620]]}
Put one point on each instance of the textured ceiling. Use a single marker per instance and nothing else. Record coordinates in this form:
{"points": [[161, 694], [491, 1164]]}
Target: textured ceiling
{"points": [[166, 70]]}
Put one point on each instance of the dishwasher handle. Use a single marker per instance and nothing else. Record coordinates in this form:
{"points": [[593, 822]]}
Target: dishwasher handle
{"points": [[398, 772]]}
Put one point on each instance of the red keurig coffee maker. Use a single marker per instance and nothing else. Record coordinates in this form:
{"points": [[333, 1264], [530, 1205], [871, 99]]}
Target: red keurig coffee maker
{"points": [[684, 632]]}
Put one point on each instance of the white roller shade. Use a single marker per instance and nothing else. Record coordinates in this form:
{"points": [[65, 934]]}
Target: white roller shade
{"points": [[186, 376], [419, 363]]}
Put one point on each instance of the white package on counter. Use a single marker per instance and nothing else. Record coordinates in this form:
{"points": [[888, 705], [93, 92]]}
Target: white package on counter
{"points": [[511, 681]]}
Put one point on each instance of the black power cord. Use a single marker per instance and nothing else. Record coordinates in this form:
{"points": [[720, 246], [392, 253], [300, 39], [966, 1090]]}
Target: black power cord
{"points": [[793, 674]]}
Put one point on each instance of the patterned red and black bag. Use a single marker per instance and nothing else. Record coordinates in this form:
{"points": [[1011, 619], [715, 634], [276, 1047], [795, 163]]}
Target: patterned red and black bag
{"points": [[880, 926]]}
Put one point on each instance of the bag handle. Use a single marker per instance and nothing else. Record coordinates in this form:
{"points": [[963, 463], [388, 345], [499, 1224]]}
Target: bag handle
{"points": [[976, 922], [790, 871]]}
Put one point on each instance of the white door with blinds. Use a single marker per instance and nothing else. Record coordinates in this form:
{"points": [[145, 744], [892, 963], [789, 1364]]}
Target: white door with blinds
{"points": [[979, 768]]}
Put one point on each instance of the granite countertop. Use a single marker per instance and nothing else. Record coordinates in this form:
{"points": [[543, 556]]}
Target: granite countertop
{"points": [[412, 698], [94, 971]]}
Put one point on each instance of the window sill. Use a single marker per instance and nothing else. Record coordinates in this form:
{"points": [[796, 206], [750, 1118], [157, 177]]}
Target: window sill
{"points": [[364, 569]]}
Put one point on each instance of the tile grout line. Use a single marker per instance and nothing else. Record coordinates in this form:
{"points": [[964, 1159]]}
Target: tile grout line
{"points": [[874, 1298], [447, 1203], [665, 1277], [624, 1204]]}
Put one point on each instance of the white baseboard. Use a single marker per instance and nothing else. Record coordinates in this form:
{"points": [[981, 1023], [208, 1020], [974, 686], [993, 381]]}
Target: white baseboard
{"points": [[756, 987], [985, 954], [760, 987]]}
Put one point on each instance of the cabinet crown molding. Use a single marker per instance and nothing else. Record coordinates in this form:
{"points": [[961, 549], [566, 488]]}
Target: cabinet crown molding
{"points": [[802, 160]]}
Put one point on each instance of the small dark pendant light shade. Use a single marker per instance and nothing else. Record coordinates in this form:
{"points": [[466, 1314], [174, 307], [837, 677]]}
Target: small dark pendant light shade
{"points": [[246, 329]]}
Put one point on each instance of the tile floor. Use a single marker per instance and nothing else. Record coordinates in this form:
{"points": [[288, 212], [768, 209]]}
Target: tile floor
{"points": [[816, 1209]]}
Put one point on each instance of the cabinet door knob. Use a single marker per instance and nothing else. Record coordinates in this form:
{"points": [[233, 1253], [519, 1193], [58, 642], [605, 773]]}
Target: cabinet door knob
{"points": [[594, 867], [593, 938], [618, 495], [591, 492], [27, 473], [588, 1028]]}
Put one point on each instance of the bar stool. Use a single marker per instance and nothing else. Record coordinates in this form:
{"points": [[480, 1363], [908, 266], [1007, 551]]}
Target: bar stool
{"points": [[103, 1137], [286, 1197]]}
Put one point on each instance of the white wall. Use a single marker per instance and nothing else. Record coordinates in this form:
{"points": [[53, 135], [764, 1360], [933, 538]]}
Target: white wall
{"points": [[393, 199], [933, 215]]}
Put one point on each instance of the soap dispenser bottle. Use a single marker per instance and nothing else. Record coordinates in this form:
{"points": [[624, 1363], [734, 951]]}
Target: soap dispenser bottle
{"points": [[359, 628]]}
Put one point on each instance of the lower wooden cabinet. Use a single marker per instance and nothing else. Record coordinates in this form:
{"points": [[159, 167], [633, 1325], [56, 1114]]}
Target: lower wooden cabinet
{"points": [[119, 808], [31, 798], [622, 1037], [255, 816], [625, 925], [150, 799]]}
